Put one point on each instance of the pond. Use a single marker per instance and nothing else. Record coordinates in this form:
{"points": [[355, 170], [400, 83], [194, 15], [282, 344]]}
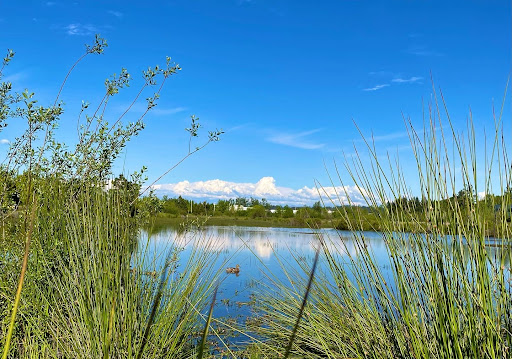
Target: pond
{"points": [[265, 255]]}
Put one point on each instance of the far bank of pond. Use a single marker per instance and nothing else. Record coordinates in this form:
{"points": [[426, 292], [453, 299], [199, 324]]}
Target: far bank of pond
{"points": [[366, 224], [162, 220]]}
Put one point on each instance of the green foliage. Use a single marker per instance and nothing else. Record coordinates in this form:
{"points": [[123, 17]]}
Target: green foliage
{"points": [[257, 211], [444, 293], [224, 207], [287, 212], [72, 273]]}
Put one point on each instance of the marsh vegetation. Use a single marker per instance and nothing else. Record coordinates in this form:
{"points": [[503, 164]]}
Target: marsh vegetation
{"points": [[74, 268]]}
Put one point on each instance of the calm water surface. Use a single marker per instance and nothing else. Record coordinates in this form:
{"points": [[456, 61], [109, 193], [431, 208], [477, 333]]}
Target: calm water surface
{"points": [[262, 252], [259, 251]]}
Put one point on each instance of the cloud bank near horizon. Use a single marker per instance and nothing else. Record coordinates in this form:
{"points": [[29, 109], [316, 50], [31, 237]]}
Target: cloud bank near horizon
{"points": [[265, 188]]}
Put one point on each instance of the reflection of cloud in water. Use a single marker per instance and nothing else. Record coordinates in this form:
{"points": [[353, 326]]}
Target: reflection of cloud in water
{"points": [[265, 241], [263, 249]]}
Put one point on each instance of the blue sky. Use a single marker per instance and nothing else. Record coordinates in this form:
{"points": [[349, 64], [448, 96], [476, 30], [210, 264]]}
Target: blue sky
{"points": [[286, 80]]}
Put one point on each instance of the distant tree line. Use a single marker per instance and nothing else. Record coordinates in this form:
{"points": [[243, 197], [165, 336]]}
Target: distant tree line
{"points": [[414, 213]]}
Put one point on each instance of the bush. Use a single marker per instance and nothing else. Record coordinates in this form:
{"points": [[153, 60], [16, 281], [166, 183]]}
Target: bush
{"points": [[81, 290]]}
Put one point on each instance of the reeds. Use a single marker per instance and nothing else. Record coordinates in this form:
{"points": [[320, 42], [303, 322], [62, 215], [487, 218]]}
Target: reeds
{"points": [[446, 293], [89, 294], [73, 280]]}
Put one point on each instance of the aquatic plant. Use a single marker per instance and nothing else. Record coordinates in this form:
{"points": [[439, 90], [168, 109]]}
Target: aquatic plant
{"points": [[446, 296]]}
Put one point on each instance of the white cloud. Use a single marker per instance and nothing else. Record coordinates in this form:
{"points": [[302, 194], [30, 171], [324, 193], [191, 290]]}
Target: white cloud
{"points": [[4, 141], [81, 29], [407, 81], [296, 140], [166, 111], [377, 87], [117, 14], [140, 108], [422, 50], [265, 188]]}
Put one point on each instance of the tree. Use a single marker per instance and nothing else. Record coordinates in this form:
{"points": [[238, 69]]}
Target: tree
{"points": [[265, 203], [242, 201], [223, 206], [465, 197], [317, 210], [258, 211], [9, 195], [287, 212], [130, 187]]}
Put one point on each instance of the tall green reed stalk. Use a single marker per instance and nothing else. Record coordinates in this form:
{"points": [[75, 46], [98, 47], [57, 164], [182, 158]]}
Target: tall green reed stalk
{"points": [[106, 302], [82, 290], [448, 295]]}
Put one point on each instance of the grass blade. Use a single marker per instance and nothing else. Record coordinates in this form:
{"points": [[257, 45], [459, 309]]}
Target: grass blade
{"points": [[208, 321], [301, 311], [156, 303]]}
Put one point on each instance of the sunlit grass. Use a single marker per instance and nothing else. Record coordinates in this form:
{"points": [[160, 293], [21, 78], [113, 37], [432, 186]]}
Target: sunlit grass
{"points": [[95, 296], [446, 296]]}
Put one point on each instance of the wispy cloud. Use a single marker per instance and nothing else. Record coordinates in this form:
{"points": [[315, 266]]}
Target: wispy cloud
{"points": [[239, 127], [371, 137], [117, 14], [81, 29], [4, 141], [381, 73], [400, 148], [16, 77], [376, 87], [265, 188], [50, 3], [392, 136], [422, 50], [388, 137], [410, 80], [140, 108], [296, 140], [395, 79], [166, 111]]}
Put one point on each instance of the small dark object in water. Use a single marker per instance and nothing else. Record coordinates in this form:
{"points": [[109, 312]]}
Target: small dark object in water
{"points": [[232, 270]]}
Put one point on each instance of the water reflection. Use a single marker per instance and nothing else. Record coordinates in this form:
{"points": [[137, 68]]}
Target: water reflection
{"points": [[266, 242], [268, 254], [264, 255]]}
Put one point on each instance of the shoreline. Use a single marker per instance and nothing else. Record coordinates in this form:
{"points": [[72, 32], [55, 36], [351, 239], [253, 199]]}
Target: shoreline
{"points": [[245, 222]]}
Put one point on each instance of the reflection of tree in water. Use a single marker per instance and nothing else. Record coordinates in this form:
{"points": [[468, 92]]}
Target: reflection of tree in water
{"points": [[498, 251], [264, 242]]}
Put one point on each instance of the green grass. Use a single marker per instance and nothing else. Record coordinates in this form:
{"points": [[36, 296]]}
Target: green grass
{"points": [[86, 295], [73, 272], [448, 296], [162, 220]]}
